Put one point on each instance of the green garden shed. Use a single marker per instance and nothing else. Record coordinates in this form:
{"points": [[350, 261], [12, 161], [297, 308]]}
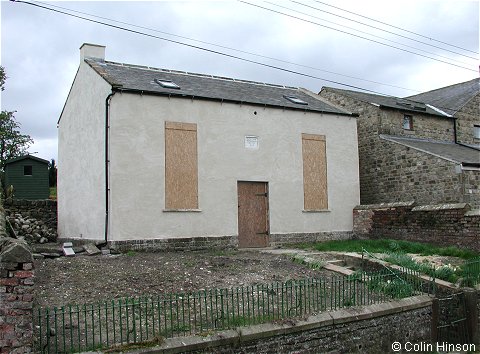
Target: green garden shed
{"points": [[29, 177]]}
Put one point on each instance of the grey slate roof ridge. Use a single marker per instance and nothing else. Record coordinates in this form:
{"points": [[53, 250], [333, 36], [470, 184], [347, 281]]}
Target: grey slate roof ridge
{"points": [[137, 78], [179, 72], [461, 92], [380, 100]]}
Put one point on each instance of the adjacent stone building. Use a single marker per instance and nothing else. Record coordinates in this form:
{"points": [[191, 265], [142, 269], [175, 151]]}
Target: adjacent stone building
{"points": [[410, 150], [462, 101]]}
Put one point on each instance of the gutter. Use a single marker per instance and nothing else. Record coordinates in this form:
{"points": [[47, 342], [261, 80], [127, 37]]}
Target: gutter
{"points": [[222, 100], [107, 189]]}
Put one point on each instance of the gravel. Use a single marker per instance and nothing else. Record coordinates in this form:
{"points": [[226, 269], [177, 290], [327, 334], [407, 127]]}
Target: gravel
{"points": [[87, 279]]}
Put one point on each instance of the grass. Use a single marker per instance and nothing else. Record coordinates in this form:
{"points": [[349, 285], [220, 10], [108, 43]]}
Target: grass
{"points": [[390, 246], [445, 272], [397, 254]]}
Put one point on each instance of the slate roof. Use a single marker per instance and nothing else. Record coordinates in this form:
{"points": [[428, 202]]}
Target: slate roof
{"points": [[451, 98], [142, 79], [447, 150], [404, 104]]}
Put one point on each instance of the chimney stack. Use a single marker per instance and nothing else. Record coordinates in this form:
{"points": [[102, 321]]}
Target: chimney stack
{"points": [[92, 51]]}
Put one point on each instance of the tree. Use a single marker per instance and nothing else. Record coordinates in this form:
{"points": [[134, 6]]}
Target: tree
{"points": [[52, 173], [12, 142]]}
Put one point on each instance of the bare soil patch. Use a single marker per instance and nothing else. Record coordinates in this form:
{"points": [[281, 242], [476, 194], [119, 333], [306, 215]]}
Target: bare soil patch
{"points": [[87, 279]]}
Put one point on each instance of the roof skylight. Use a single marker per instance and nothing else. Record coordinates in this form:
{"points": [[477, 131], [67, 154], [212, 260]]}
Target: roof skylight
{"points": [[167, 84], [412, 105], [295, 100]]}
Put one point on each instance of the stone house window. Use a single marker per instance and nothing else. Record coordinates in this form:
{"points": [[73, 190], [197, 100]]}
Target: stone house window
{"points": [[407, 122], [476, 131]]}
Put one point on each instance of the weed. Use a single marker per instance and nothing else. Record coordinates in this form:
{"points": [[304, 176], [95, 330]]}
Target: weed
{"points": [[189, 264], [395, 288], [157, 340], [313, 264]]}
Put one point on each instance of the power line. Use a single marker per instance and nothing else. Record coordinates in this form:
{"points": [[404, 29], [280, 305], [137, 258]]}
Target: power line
{"points": [[226, 47], [373, 35], [402, 29], [384, 30], [198, 47], [205, 49], [355, 35]]}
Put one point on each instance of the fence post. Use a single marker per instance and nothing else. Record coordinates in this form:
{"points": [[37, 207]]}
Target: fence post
{"points": [[435, 319], [471, 311]]}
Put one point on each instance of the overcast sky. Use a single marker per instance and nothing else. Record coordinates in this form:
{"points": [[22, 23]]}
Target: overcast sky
{"points": [[40, 48]]}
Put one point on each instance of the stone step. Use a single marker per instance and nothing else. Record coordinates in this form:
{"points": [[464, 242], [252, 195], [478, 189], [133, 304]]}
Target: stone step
{"points": [[339, 262], [338, 269]]}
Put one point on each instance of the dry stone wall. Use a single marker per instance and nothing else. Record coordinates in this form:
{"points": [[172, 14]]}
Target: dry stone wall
{"points": [[33, 220]]}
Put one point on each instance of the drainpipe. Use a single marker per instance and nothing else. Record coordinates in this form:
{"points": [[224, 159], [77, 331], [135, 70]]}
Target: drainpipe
{"points": [[107, 190]]}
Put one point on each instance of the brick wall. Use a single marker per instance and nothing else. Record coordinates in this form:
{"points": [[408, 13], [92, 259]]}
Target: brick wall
{"points": [[443, 224], [16, 296]]}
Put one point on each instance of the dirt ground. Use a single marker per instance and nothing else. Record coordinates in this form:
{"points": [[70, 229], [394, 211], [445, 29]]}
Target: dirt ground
{"points": [[87, 279]]}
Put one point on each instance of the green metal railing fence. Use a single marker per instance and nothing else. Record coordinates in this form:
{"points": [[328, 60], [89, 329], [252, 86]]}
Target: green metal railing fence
{"points": [[76, 328], [471, 272]]}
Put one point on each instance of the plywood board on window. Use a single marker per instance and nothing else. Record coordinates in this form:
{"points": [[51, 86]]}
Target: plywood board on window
{"points": [[314, 172], [181, 166]]}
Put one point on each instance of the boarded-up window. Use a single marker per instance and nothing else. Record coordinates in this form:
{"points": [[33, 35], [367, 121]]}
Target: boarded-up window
{"points": [[314, 172], [181, 170]]}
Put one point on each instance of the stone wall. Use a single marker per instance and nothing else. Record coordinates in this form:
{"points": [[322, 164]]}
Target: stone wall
{"points": [[16, 296], [443, 224], [369, 329], [398, 173], [33, 220], [471, 187], [218, 243], [391, 172], [467, 117], [174, 244], [424, 126]]}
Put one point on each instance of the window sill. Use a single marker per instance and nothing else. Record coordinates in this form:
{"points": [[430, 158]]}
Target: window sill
{"points": [[316, 211], [182, 210]]}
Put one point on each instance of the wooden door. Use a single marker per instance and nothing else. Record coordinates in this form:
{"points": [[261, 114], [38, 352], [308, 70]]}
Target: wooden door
{"points": [[253, 227]]}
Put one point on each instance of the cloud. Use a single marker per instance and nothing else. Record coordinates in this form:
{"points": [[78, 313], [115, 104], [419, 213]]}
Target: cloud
{"points": [[40, 49]]}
